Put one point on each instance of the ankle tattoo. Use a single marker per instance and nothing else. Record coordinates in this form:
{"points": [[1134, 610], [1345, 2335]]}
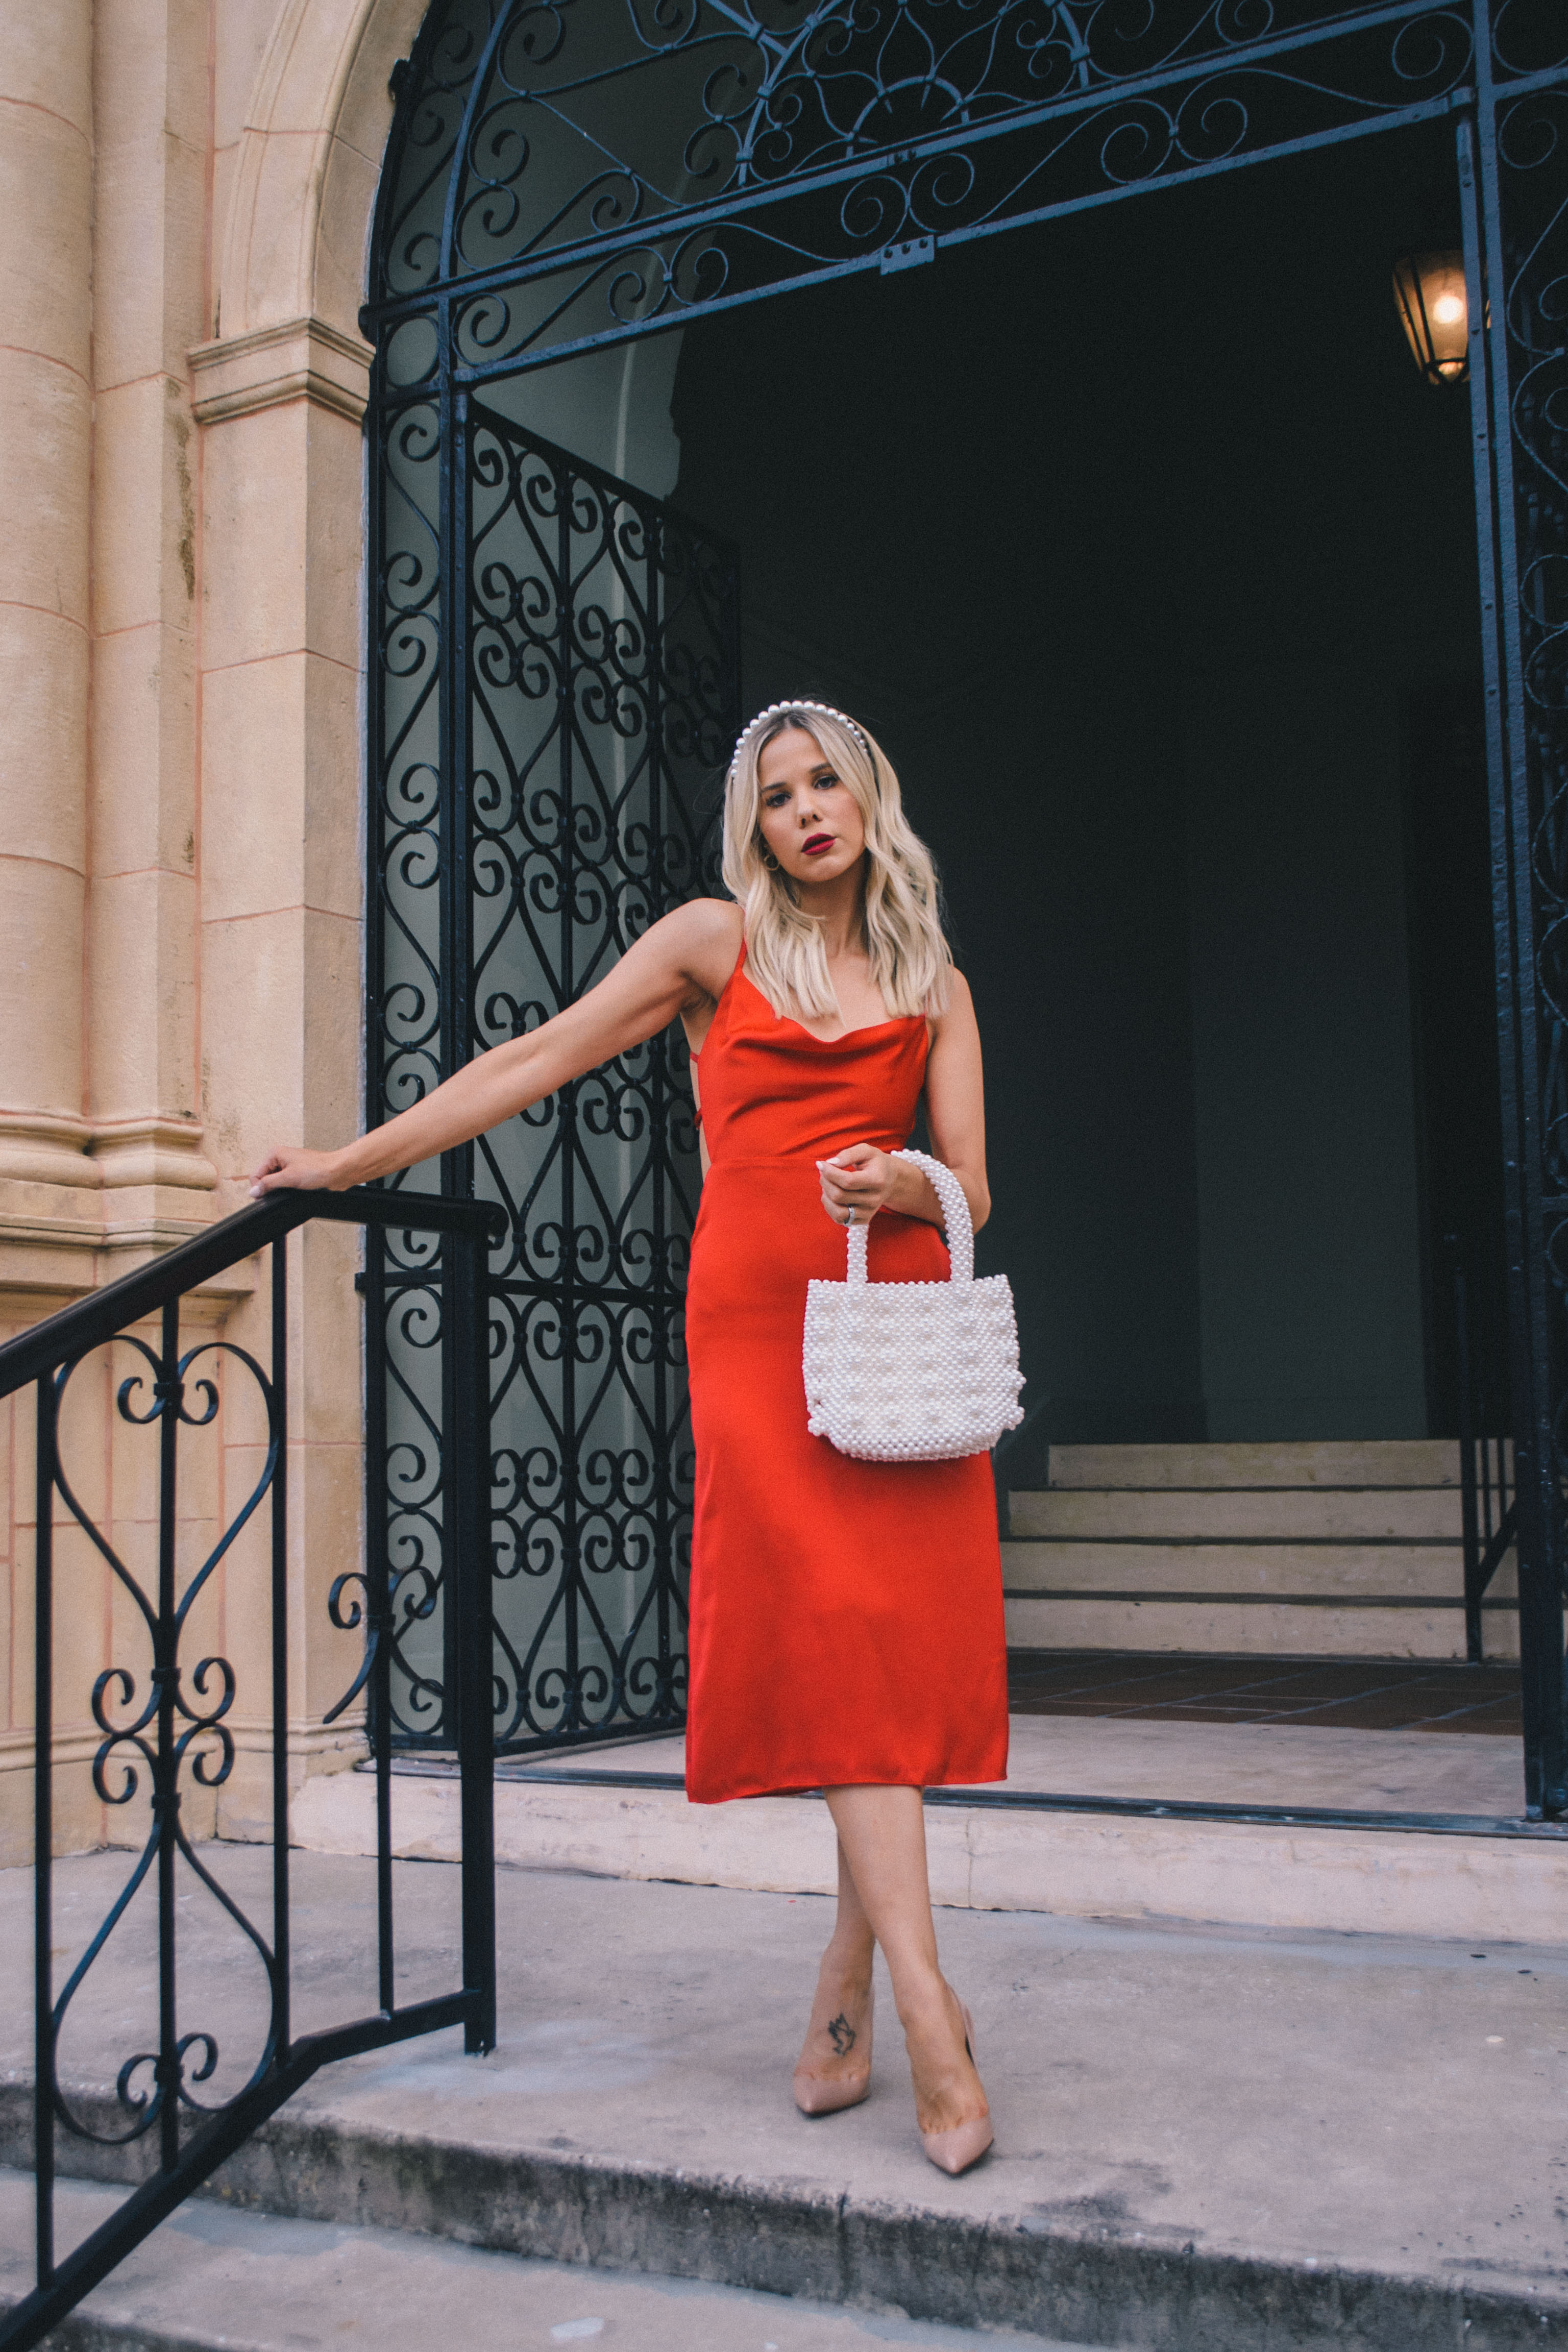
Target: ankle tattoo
{"points": [[842, 2035]]}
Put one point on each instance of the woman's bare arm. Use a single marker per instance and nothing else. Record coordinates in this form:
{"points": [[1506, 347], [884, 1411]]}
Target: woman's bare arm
{"points": [[955, 1099], [680, 961], [865, 1180]]}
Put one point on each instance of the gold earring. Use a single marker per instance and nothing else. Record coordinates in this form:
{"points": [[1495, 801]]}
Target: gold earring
{"points": [[769, 861]]}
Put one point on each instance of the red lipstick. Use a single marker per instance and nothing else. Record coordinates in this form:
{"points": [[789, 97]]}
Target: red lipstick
{"points": [[817, 843]]}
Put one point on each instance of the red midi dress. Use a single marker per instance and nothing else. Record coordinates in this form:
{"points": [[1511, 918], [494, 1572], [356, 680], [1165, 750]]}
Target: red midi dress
{"points": [[847, 1620]]}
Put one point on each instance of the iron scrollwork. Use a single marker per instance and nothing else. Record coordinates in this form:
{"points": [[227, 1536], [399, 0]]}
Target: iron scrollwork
{"points": [[601, 667], [178, 1728], [1532, 138], [596, 639], [1527, 102], [569, 174], [166, 1730]]}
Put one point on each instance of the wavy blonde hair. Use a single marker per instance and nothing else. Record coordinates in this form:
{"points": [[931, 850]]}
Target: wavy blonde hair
{"points": [[785, 957]]}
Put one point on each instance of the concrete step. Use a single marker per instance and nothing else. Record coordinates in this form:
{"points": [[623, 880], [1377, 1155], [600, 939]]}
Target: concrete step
{"points": [[1257, 1625], [218, 2279], [1433, 1573], [1242, 1514], [1399, 1462], [1094, 1848], [1300, 1549], [1206, 2141], [1393, 1600]]}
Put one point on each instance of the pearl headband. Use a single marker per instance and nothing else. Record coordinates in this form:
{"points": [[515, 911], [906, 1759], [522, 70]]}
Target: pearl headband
{"points": [[777, 709]]}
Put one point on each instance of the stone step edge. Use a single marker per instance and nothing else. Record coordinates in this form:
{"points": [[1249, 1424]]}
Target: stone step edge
{"points": [[1272, 1488], [1086, 2285], [1223, 1598], [1092, 1864], [1247, 1544], [1380, 1487], [1403, 1464]]}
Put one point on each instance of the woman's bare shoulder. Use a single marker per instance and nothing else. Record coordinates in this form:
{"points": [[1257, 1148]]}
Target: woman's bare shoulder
{"points": [[704, 936], [701, 920], [702, 940]]}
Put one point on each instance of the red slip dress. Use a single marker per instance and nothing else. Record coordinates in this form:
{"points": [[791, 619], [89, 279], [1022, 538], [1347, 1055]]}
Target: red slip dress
{"points": [[847, 1620]]}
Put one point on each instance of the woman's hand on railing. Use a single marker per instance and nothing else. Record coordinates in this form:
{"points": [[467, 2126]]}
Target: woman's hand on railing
{"points": [[289, 1168]]}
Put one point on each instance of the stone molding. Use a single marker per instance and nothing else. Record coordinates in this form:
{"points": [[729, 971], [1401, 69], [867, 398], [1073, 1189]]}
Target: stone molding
{"points": [[81, 1202], [82, 1186], [45, 1265], [152, 1151], [300, 359], [41, 1147], [344, 1744]]}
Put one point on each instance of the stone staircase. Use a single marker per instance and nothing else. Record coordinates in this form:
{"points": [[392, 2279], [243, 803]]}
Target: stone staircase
{"points": [[1309, 1550], [1303, 1551], [1206, 2141]]}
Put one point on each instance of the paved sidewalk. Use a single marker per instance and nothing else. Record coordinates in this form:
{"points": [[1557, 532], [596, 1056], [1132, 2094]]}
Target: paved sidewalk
{"points": [[1335, 2136]]}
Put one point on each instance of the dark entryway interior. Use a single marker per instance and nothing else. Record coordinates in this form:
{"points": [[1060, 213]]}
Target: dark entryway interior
{"points": [[1144, 549]]}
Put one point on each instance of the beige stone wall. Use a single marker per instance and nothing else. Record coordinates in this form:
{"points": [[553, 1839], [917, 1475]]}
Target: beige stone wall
{"points": [[187, 185]]}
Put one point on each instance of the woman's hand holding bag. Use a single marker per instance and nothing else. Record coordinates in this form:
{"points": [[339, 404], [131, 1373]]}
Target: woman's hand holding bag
{"points": [[913, 1372]]}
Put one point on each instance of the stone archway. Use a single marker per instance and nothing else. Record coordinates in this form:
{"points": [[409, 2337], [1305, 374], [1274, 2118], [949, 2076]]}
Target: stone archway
{"points": [[293, 244]]}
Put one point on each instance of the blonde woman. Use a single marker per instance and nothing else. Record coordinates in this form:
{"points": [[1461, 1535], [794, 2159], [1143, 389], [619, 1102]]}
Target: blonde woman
{"points": [[846, 1616]]}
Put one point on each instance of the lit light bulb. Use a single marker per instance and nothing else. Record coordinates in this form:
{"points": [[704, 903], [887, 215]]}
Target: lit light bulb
{"points": [[1429, 289]]}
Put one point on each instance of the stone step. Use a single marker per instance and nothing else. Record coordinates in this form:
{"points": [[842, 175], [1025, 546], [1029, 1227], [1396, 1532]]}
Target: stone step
{"points": [[1242, 1514], [1207, 2140], [1079, 1854], [215, 2278], [1351, 1572], [1399, 1462], [1256, 1626]]}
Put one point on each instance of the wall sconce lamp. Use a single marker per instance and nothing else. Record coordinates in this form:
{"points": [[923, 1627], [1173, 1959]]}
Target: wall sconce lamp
{"points": [[1429, 289]]}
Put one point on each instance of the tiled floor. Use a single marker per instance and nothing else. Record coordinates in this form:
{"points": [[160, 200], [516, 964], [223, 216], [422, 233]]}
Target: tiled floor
{"points": [[1348, 1694]]}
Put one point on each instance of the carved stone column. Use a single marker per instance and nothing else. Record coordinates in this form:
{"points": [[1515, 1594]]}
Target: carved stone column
{"points": [[48, 1185], [282, 687], [151, 99]]}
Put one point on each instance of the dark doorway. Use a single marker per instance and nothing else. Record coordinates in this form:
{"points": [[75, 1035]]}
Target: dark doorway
{"points": [[1138, 538]]}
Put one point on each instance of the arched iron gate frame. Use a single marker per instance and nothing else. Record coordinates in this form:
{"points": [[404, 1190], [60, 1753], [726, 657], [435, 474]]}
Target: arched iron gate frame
{"points": [[563, 178]]}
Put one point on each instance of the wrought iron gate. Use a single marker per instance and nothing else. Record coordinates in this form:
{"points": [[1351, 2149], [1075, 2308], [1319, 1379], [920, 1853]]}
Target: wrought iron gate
{"points": [[575, 175], [543, 800]]}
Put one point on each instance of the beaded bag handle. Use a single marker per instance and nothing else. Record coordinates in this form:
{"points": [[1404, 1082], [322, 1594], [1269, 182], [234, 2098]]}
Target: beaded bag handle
{"points": [[956, 1216]]}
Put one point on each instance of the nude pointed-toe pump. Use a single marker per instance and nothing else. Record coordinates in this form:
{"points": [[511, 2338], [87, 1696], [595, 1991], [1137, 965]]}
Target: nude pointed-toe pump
{"points": [[822, 2095], [956, 2149]]}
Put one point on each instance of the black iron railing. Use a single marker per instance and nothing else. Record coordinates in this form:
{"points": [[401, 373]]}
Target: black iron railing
{"points": [[1490, 1515], [171, 1723], [1490, 1522]]}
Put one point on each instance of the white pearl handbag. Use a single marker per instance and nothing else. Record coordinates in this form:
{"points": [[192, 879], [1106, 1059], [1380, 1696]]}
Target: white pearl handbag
{"points": [[913, 1372]]}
